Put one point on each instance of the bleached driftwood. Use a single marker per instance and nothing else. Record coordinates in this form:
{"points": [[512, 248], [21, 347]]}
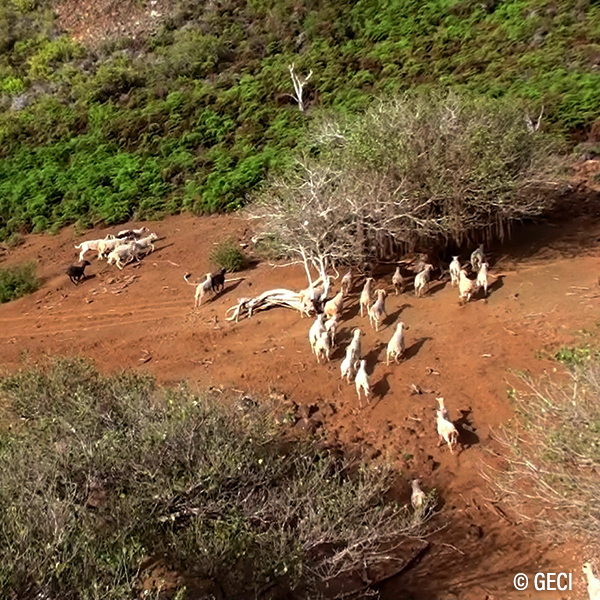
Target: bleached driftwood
{"points": [[281, 297]]}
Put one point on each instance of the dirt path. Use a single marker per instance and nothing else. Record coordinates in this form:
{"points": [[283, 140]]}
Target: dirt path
{"points": [[143, 318]]}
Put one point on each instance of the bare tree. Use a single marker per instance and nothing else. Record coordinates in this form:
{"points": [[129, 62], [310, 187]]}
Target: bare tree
{"points": [[298, 84], [411, 174], [531, 127]]}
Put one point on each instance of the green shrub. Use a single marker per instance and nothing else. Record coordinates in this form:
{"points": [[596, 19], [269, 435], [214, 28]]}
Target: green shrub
{"points": [[576, 356], [17, 281], [12, 85], [417, 171], [228, 255], [107, 471]]}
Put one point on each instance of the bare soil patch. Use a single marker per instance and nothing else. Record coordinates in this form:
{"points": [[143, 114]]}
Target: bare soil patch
{"points": [[95, 21]]}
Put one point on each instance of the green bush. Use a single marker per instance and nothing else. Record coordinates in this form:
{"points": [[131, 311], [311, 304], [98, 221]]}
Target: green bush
{"points": [[17, 281], [107, 471], [417, 171], [228, 255]]}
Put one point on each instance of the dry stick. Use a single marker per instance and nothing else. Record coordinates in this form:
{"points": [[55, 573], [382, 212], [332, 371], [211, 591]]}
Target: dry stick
{"points": [[290, 264]]}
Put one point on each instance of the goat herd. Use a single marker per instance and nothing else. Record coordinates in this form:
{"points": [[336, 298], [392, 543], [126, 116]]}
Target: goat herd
{"points": [[132, 244], [322, 333], [128, 245]]}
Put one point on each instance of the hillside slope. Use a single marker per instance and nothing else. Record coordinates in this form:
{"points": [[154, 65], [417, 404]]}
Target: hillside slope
{"points": [[110, 110], [544, 291]]}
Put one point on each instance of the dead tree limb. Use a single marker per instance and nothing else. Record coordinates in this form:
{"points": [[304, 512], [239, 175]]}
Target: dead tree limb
{"points": [[298, 84], [268, 299]]}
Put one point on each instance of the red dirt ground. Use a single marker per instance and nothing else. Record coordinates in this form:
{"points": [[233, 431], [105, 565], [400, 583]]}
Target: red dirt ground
{"points": [[546, 290], [93, 22]]}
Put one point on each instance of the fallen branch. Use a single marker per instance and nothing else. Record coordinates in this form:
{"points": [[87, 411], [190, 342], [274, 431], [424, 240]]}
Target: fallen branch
{"points": [[280, 297]]}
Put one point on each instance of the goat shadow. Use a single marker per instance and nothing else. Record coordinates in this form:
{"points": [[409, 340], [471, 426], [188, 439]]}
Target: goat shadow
{"points": [[86, 277], [497, 284], [372, 357], [228, 287], [393, 316], [414, 348], [466, 434], [158, 249], [436, 287], [380, 389], [351, 310]]}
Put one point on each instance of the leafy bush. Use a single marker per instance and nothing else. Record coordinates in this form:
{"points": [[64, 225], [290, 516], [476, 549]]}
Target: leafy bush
{"points": [[106, 471], [228, 255], [576, 356], [18, 281], [417, 171]]}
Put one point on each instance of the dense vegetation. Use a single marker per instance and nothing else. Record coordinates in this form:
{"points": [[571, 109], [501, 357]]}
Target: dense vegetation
{"points": [[194, 117], [99, 473], [228, 255], [18, 281]]}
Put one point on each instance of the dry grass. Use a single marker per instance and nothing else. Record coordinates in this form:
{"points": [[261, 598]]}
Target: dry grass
{"points": [[552, 479]]}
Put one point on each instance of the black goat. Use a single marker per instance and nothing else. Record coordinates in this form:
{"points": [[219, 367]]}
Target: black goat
{"points": [[217, 280], [77, 272]]}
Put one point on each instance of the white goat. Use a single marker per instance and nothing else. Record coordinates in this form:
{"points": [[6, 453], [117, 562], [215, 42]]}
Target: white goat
{"points": [[105, 247], [466, 287], [333, 307], [145, 245], [445, 428], [90, 245], [355, 345], [331, 326], [348, 366], [365, 296], [122, 255], [398, 281], [377, 311], [202, 288], [442, 408], [482, 278], [477, 257], [323, 347], [455, 270], [135, 233], [317, 328], [422, 280], [347, 282], [593, 584], [305, 305], [310, 298], [418, 495], [396, 345], [362, 381]]}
